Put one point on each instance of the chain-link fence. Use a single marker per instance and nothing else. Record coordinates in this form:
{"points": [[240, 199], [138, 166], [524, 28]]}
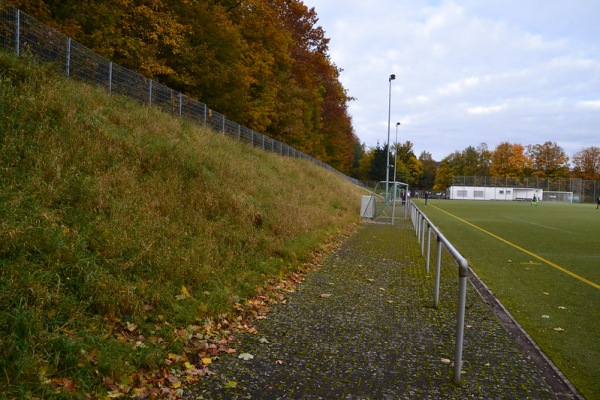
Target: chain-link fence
{"points": [[21, 33], [584, 191]]}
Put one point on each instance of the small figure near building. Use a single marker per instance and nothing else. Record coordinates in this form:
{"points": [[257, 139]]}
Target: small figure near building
{"points": [[534, 201]]}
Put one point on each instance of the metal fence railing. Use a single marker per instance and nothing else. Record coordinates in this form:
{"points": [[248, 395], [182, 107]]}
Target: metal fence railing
{"points": [[423, 229], [21, 34]]}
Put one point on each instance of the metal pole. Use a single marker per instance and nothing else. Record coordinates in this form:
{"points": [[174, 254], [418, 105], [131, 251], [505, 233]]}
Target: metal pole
{"points": [[438, 267], [18, 32], [180, 103], [396, 153], [387, 162], [68, 63], [422, 233], [460, 327], [394, 203], [110, 73], [150, 93], [428, 247]]}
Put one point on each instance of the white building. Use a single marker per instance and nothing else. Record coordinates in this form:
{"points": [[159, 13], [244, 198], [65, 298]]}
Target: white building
{"points": [[493, 193]]}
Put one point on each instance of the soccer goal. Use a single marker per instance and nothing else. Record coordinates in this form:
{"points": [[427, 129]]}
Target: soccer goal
{"points": [[563, 197]]}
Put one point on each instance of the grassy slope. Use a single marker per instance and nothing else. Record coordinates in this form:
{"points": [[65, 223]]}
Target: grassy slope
{"points": [[115, 215], [563, 234]]}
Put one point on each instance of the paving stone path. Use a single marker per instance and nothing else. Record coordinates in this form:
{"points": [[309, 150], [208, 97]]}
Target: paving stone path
{"points": [[363, 326]]}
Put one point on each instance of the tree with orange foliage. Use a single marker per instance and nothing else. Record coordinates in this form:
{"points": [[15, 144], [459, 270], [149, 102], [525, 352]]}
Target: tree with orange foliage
{"points": [[549, 160], [586, 163], [510, 160]]}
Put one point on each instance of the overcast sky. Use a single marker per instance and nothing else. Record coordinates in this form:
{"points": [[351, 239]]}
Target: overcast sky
{"points": [[469, 71]]}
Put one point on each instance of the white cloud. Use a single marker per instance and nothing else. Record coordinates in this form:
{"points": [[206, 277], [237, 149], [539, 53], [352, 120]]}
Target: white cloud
{"points": [[530, 70], [481, 110], [590, 104]]}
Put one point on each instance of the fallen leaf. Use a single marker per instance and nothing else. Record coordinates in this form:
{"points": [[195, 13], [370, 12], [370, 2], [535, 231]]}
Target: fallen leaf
{"points": [[279, 362], [559, 329], [246, 356], [562, 308], [206, 360], [230, 385], [545, 316], [325, 295], [184, 294], [263, 340], [445, 361]]}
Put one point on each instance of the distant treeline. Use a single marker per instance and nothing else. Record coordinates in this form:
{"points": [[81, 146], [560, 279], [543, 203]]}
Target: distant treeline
{"points": [[261, 63]]}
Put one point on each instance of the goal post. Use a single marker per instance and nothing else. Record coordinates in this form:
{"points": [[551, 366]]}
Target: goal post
{"points": [[563, 197]]}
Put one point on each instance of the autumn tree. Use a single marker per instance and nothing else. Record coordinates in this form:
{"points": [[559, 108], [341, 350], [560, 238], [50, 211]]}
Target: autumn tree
{"points": [[476, 161], [364, 165], [586, 163], [359, 154], [510, 160], [377, 170], [429, 170], [261, 63], [549, 160], [472, 161], [449, 167], [409, 168]]}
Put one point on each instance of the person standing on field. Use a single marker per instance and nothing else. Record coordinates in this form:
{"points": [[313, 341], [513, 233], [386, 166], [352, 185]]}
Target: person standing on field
{"points": [[597, 202]]}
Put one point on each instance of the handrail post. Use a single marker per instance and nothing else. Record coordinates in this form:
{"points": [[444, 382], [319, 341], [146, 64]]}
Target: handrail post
{"points": [[428, 247], [438, 268], [460, 326], [422, 234]]}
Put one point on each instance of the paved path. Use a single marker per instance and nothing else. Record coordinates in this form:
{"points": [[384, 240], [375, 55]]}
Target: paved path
{"points": [[362, 326]]}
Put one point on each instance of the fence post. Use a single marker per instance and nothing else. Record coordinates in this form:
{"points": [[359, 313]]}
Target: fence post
{"points": [[180, 96], [68, 61], [150, 93], [110, 72], [18, 32]]}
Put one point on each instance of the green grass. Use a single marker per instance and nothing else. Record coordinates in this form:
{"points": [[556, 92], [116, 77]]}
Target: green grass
{"points": [[541, 296], [108, 209]]}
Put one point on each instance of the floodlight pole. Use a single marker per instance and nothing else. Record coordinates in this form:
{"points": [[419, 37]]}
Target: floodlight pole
{"points": [[387, 163], [396, 150]]}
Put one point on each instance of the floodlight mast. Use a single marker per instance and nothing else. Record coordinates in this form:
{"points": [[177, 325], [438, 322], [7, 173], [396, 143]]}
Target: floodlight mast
{"points": [[387, 163], [396, 150]]}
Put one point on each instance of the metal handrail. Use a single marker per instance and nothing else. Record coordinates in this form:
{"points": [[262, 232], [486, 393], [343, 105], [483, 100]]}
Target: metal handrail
{"points": [[421, 224]]}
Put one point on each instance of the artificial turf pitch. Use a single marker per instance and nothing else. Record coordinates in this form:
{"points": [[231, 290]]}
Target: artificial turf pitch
{"points": [[543, 264]]}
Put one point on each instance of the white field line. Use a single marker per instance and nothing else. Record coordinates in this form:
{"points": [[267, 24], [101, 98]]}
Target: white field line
{"points": [[540, 225]]}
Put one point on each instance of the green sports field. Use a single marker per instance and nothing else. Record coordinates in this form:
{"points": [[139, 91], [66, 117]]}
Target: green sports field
{"points": [[543, 263]]}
